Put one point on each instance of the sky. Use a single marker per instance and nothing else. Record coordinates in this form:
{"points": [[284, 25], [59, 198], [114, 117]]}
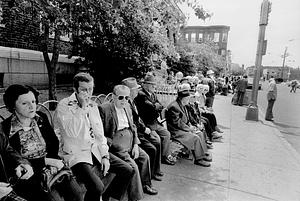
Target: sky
{"points": [[282, 31]]}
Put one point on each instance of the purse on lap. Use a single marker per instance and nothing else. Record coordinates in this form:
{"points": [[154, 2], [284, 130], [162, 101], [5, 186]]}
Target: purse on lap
{"points": [[49, 180]]}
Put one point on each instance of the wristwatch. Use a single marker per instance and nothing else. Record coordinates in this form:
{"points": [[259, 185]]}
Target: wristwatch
{"points": [[106, 156]]}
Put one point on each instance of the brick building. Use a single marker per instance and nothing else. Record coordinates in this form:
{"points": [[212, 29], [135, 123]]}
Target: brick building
{"points": [[199, 34], [20, 59]]}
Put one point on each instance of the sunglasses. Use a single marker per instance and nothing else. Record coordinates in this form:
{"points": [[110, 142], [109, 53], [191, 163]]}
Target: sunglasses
{"points": [[122, 97]]}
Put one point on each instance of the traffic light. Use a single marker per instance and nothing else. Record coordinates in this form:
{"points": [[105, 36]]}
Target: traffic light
{"points": [[264, 12]]}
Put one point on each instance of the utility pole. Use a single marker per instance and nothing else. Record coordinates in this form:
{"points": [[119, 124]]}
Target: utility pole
{"points": [[252, 110], [283, 62]]}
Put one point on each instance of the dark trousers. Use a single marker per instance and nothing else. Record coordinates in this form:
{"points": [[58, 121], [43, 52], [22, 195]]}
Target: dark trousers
{"points": [[209, 101], [240, 97], [212, 119], [122, 147], [269, 112], [91, 176], [207, 127], [151, 144], [164, 135], [69, 190], [293, 89]]}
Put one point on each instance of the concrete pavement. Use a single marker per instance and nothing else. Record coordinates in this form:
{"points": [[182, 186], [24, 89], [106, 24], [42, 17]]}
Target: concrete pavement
{"points": [[253, 163]]}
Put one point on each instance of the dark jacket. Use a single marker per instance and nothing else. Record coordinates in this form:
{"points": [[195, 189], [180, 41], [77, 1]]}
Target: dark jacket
{"points": [[242, 85], [137, 120], [52, 143], [9, 158], [110, 124], [212, 90], [149, 108]]}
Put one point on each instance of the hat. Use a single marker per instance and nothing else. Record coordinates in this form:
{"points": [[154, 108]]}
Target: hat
{"points": [[149, 79], [183, 79], [131, 83], [184, 90], [210, 72]]}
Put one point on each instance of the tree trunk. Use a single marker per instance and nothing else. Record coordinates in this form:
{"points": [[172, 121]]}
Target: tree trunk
{"points": [[51, 64]]}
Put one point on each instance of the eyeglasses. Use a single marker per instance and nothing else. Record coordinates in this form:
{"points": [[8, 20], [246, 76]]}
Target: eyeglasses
{"points": [[122, 97]]}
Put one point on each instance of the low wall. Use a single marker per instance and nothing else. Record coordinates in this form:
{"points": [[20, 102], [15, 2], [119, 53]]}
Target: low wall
{"points": [[28, 67]]}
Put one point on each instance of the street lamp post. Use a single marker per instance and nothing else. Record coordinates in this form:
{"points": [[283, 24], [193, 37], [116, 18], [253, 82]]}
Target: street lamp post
{"points": [[285, 54], [252, 110]]}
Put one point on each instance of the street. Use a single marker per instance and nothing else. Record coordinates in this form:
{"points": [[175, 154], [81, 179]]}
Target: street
{"points": [[286, 112]]}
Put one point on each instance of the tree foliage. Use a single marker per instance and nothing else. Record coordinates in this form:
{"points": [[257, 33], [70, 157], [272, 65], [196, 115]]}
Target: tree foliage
{"points": [[113, 39], [196, 57]]}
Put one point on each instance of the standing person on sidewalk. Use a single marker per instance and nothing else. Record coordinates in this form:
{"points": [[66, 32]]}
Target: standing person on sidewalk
{"points": [[241, 89], [271, 96], [210, 95], [85, 147], [149, 109], [150, 140]]}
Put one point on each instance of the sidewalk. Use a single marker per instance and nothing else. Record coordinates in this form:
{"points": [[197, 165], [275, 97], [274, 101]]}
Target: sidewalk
{"points": [[253, 163]]}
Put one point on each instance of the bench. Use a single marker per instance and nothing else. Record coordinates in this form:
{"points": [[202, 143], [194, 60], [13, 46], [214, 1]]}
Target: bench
{"points": [[48, 107]]}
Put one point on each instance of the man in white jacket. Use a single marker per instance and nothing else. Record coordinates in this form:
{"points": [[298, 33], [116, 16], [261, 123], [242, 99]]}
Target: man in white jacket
{"points": [[85, 147]]}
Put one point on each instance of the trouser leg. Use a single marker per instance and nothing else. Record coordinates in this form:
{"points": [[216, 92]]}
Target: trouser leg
{"points": [[150, 149], [269, 112], [155, 140], [143, 163], [165, 138], [123, 177], [94, 186]]}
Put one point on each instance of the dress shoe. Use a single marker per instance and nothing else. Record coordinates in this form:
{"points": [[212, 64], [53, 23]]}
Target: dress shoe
{"points": [[149, 190], [215, 135], [166, 161], [269, 119], [209, 146], [160, 174], [202, 163], [208, 157], [156, 178]]}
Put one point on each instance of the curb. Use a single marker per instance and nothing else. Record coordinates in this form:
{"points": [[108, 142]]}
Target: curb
{"points": [[277, 132]]}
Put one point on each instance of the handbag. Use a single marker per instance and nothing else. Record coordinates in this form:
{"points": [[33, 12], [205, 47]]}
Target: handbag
{"points": [[49, 180]]}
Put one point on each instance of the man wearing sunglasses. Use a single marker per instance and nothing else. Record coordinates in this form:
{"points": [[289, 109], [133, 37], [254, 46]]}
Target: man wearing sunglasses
{"points": [[122, 136]]}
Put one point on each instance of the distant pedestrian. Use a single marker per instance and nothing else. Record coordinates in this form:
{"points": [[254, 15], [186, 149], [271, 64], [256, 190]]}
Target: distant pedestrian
{"points": [[210, 96], [294, 86], [271, 96], [241, 89]]}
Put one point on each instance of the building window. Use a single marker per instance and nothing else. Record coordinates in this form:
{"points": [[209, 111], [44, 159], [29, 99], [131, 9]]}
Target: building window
{"points": [[223, 52], [187, 37], [224, 37], [216, 37], [1, 17], [193, 37], [200, 38]]}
